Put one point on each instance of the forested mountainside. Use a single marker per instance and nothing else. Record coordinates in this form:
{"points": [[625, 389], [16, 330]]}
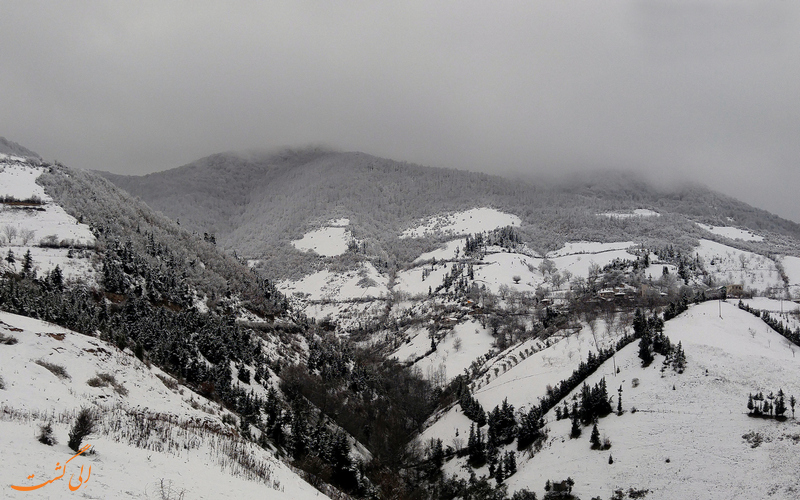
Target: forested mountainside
{"points": [[448, 358], [151, 290], [12, 148], [257, 204]]}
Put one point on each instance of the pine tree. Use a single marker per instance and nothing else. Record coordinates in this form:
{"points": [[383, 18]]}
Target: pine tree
{"points": [[476, 447], [437, 455], [56, 278], [27, 264], [575, 431], [639, 324], [750, 405], [595, 437], [792, 402], [780, 404], [645, 350], [679, 359], [510, 463]]}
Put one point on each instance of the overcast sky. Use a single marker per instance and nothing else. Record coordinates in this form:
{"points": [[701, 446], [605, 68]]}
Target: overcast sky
{"points": [[699, 90]]}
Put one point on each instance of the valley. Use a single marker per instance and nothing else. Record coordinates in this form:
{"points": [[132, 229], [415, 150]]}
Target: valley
{"points": [[336, 324]]}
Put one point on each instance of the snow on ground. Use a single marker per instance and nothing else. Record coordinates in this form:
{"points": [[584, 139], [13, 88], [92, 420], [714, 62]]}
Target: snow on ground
{"points": [[79, 267], [18, 180], [522, 375], [362, 283], [449, 251], [733, 233], [583, 247], [189, 455], [500, 269], [454, 353], [580, 264], [791, 265], [730, 265], [686, 441], [639, 212], [773, 305], [51, 223], [474, 220], [325, 241], [24, 227], [411, 281]]}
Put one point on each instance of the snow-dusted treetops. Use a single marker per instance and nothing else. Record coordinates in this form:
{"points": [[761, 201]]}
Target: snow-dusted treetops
{"points": [[322, 323]]}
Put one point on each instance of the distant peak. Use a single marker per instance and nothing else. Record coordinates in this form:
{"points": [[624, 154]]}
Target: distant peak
{"points": [[12, 148]]}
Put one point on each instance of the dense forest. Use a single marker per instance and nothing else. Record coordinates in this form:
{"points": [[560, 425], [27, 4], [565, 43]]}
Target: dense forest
{"points": [[228, 194]]}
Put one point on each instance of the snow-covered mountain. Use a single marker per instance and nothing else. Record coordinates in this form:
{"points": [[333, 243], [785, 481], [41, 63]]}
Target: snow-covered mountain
{"points": [[80, 253], [407, 302]]}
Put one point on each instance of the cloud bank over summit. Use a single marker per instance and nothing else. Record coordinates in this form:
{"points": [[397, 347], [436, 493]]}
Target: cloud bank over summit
{"points": [[704, 91]]}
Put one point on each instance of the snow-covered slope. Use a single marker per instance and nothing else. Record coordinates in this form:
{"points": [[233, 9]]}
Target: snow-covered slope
{"points": [[690, 436], [152, 434], [469, 221], [30, 221]]}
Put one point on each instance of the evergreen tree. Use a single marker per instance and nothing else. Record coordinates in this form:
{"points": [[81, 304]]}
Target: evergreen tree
{"points": [[575, 431], [437, 455], [10, 258], [750, 405], [510, 463], [27, 264], [679, 359], [476, 447], [645, 350], [780, 404], [56, 279], [639, 324], [595, 437], [792, 402]]}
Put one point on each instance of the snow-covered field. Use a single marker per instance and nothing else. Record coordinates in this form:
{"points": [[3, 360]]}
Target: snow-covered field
{"points": [[325, 241], [18, 179], [733, 233], [582, 247], [363, 283], [475, 220], [149, 435], [730, 265], [449, 251]]}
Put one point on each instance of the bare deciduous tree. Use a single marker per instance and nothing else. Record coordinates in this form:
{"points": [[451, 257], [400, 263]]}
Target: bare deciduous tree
{"points": [[27, 236], [10, 232]]}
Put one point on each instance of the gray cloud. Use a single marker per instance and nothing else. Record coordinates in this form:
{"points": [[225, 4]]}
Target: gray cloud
{"points": [[703, 90]]}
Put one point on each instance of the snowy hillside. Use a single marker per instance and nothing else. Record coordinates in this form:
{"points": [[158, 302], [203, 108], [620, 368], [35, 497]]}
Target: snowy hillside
{"points": [[153, 439], [31, 222], [690, 435]]}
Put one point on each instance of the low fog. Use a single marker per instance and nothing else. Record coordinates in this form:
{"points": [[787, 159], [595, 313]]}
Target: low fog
{"points": [[703, 91]]}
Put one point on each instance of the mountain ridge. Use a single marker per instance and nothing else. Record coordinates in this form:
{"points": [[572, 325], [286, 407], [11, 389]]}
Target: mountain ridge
{"points": [[257, 204]]}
